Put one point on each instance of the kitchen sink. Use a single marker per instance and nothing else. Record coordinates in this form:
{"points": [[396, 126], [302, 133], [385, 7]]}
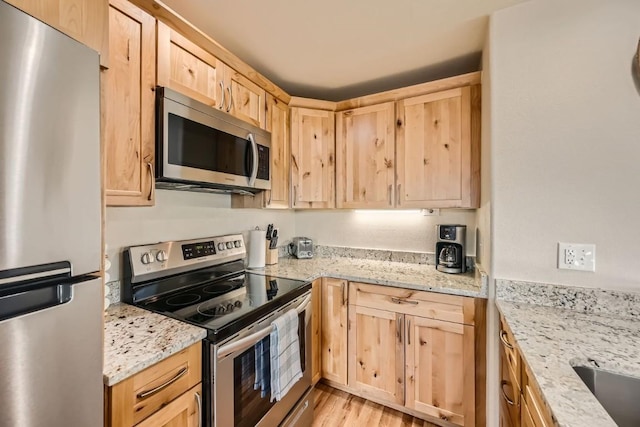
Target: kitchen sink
{"points": [[618, 394]]}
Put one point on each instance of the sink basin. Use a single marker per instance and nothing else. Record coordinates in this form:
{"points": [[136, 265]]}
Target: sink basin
{"points": [[618, 394]]}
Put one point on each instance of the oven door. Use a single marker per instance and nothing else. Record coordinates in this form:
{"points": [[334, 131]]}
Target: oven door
{"points": [[235, 402], [199, 144]]}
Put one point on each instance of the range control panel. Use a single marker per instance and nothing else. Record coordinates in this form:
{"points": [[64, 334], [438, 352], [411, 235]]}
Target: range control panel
{"points": [[166, 258]]}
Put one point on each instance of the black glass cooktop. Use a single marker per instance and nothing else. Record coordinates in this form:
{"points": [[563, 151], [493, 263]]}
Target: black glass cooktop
{"points": [[223, 305]]}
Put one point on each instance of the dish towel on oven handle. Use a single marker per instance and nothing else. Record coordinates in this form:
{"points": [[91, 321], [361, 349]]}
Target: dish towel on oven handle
{"points": [[285, 354], [262, 367]]}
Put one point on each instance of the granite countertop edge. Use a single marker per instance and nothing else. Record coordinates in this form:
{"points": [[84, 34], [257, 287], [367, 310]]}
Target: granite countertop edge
{"points": [[578, 340], [128, 346]]}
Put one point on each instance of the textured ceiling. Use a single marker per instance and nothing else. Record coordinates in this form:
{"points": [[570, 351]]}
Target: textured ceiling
{"points": [[337, 49]]}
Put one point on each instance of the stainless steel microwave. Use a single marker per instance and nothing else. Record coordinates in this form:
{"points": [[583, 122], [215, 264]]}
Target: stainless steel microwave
{"points": [[200, 147]]}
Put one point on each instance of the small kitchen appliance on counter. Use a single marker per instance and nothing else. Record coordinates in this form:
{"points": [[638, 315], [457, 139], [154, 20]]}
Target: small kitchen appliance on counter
{"points": [[204, 282], [302, 247], [450, 248]]}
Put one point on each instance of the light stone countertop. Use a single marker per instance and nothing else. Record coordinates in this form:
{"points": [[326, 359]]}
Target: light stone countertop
{"points": [[389, 273], [135, 339], [552, 340]]}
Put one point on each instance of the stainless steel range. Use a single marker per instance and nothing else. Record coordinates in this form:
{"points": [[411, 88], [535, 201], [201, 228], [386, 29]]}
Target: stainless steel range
{"points": [[204, 282]]}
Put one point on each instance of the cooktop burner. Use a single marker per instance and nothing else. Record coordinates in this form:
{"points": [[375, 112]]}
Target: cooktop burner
{"points": [[182, 300]]}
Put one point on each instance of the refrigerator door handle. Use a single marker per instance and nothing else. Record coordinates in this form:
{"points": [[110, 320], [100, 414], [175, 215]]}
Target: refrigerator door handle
{"points": [[22, 302]]}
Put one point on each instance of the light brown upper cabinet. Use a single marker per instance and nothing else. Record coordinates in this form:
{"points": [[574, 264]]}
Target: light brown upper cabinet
{"points": [[312, 158], [128, 107], [84, 20], [438, 149], [187, 68], [277, 116], [365, 157]]}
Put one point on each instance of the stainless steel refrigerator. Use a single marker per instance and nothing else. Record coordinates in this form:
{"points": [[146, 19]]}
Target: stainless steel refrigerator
{"points": [[51, 304]]}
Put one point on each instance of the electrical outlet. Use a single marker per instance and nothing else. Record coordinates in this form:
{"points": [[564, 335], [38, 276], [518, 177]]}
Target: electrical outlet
{"points": [[430, 212], [577, 256]]}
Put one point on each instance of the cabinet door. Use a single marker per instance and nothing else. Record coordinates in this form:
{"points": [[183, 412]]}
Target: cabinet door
{"points": [[440, 369], [128, 107], [365, 157], [312, 158], [84, 20], [184, 411], [245, 99], [526, 420], [278, 125], [187, 68], [334, 330], [376, 354], [510, 401], [316, 339], [435, 150]]}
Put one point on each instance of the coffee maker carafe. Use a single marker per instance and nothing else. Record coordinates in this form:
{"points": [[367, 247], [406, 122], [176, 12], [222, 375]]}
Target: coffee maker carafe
{"points": [[450, 248]]}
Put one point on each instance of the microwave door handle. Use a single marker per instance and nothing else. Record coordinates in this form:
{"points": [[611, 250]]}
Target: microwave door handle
{"points": [[254, 151], [251, 340]]}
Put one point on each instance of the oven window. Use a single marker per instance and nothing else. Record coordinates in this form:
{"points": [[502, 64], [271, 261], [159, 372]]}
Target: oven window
{"points": [[198, 146], [249, 404]]}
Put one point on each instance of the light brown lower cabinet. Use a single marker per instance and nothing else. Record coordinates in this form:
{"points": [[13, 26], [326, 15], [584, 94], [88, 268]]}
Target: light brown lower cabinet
{"points": [[521, 404], [418, 352], [316, 340], [166, 394]]}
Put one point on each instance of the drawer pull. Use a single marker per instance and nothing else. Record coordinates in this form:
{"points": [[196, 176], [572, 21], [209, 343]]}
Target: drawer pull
{"points": [[403, 301], [509, 401], [503, 338], [145, 394]]}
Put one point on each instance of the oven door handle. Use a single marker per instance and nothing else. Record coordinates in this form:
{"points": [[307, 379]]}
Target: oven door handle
{"points": [[251, 340], [254, 153]]}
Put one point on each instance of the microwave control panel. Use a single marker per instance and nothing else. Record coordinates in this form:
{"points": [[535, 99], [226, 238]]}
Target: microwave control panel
{"points": [[263, 162]]}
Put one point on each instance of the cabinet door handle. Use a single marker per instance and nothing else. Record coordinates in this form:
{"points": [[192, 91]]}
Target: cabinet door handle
{"points": [[295, 195], [230, 99], [503, 338], [145, 394], [343, 288], [222, 96], [399, 328], [409, 331], [399, 187], [389, 195], [504, 394], [403, 301], [152, 188], [199, 403]]}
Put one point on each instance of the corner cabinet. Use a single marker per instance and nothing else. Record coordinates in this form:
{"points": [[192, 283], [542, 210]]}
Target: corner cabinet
{"points": [[438, 149], [334, 297], [187, 68], [312, 158], [128, 100], [365, 157]]}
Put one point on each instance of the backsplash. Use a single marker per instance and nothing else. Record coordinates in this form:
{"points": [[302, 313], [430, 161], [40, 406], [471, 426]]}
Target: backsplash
{"points": [[623, 304]]}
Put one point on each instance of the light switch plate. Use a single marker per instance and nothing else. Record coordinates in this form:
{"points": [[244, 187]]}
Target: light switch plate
{"points": [[577, 256]]}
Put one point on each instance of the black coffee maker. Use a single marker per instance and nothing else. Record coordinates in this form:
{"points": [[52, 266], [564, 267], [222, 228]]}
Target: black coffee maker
{"points": [[450, 248]]}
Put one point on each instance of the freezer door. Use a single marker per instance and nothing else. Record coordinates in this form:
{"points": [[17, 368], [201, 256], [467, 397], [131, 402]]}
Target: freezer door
{"points": [[49, 147], [51, 356]]}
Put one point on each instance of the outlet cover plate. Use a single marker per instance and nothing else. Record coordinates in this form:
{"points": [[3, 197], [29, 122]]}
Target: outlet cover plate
{"points": [[577, 256]]}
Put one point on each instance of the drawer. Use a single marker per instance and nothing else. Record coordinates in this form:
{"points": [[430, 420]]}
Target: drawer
{"points": [[137, 397], [540, 414], [526, 420], [512, 355], [450, 308], [510, 400]]}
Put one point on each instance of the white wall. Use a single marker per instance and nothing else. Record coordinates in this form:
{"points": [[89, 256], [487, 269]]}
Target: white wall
{"points": [[185, 215], [565, 139], [395, 230]]}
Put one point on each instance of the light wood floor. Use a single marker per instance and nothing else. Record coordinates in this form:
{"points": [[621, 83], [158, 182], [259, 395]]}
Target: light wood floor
{"points": [[335, 408]]}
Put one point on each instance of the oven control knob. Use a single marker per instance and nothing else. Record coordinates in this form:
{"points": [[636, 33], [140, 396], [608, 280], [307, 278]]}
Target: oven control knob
{"points": [[221, 309], [147, 258], [229, 245], [161, 256], [221, 246], [237, 243], [230, 307], [238, 304]]}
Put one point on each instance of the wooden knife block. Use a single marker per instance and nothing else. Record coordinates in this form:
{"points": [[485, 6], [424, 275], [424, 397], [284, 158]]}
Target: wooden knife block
{"points": [[271, 256]]}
